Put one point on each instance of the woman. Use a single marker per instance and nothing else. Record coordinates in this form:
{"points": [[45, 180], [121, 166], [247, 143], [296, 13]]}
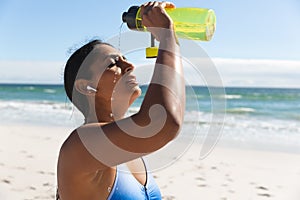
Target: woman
{"points": [[102, 159]]}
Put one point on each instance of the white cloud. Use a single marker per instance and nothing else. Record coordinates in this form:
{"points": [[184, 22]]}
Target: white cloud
{"points": [[31, 72], [233, 72], [259, 73]]}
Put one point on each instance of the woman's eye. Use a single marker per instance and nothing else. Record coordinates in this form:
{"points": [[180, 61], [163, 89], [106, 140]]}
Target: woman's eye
{"points": [[111, 65]]}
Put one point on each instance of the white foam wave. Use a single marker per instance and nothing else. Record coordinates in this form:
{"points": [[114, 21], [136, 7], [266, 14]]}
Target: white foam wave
{"points": [[236, 127], [50, 91], [241, 110], [35, 112], [230, 96], [233, 96]]}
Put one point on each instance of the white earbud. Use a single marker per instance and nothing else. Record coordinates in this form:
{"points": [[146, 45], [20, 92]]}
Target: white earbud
{"points": [[91, 88]]}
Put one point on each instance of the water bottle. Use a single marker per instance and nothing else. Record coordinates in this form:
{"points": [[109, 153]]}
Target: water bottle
{"points": [[189, 23]]}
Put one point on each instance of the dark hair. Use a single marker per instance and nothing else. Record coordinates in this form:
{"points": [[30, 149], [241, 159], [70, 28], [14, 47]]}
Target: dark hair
{"points": [[71, 72], [73, 64]]}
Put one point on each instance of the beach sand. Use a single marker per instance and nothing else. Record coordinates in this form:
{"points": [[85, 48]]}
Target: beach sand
{"points": [[28, 158]]}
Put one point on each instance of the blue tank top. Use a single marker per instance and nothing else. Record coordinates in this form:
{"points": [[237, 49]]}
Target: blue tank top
{"points": [[126, 187]]}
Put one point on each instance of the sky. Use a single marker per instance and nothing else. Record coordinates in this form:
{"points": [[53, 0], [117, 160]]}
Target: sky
{"points": [[256, 42]]}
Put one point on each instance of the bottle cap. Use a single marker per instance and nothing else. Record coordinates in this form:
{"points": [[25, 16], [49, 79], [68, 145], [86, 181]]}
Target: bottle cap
{"points": [[151, 52], [129, 17]]}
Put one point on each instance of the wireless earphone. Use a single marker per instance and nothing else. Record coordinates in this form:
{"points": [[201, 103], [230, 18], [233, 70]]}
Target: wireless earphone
{"points": [[91, 88]]}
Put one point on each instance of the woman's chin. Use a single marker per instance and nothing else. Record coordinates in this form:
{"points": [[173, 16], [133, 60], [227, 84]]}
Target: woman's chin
{"points": [[136, 93]]}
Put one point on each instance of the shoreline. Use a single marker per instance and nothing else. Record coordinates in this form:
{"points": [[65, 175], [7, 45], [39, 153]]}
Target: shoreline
{"points": [[29, 156]]}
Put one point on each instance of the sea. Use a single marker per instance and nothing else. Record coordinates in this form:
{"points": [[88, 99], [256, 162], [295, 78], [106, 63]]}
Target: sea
{"points": [[268, 118]]}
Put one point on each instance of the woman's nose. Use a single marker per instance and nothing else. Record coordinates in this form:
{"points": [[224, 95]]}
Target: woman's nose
{"points": [[125, 65]]}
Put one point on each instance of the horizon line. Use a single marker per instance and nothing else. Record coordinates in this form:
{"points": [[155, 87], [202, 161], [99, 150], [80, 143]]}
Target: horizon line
{"points": [[145, 85]]}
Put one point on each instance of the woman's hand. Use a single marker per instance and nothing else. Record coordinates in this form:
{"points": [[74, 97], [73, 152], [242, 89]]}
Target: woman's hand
{"points": [[156, 19]]}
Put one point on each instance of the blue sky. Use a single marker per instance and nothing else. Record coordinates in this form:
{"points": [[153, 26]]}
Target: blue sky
{"points": [[35, 31]]}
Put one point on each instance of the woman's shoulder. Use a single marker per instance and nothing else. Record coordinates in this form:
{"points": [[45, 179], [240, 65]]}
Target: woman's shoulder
{"points": [[69, 141], [74, 155]]}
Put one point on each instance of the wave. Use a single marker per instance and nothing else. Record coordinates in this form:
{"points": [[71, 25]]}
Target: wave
{"points": [[240, 110], [50, 91], [254, 127], [233, 96], [38, 112], [30, 88]]}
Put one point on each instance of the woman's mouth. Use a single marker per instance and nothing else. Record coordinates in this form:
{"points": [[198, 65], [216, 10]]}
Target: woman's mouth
{"points": [[131, 79]]}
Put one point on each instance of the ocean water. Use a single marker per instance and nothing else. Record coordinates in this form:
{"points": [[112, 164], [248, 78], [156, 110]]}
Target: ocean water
{"points": [[269, 117]]}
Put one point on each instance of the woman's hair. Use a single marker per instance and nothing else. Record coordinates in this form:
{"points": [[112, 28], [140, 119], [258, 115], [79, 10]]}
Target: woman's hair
{"points": [[71, 71]]}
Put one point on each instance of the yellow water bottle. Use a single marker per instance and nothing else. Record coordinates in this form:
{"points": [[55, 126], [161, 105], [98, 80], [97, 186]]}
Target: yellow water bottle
{"points": [[190, 23]]}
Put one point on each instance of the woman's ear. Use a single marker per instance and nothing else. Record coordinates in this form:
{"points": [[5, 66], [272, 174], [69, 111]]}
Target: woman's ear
{"points": [[82, 86]]}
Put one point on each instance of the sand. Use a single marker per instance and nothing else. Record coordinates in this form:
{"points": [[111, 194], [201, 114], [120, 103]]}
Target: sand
{"points": [[28, 158]]}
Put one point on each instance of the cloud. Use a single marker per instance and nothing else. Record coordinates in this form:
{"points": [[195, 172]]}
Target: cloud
{"points": [[31, 72], [232, 72], [244, 72], [259, 73]]}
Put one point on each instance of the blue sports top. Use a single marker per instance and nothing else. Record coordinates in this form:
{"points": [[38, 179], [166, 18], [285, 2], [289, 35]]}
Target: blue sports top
{"points": [[126, 187]]}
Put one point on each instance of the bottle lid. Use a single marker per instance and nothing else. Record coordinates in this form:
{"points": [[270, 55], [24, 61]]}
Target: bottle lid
{"points": [[151, 52], [129, 17]]}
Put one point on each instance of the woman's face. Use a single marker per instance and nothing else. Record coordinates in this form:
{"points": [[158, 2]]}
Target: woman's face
{"points": [[114, 75]]}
